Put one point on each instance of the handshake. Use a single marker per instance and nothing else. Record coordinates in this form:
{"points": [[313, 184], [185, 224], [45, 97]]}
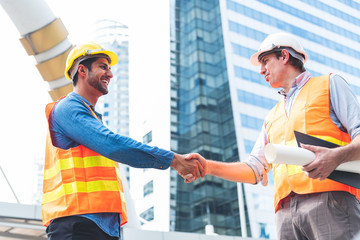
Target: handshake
{"points": [[191, 166]]}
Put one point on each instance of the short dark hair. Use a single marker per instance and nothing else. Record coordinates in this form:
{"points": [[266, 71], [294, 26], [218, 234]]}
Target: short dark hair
{"points": [[293, 61], [87, 63]]}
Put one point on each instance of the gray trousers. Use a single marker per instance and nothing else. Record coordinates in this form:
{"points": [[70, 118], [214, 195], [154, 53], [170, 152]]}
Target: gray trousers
{"points": [[319, 216]]}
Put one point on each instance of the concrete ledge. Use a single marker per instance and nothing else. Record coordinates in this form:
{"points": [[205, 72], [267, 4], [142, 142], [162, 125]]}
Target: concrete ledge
{"points": [[133, 233], [23, 211]]}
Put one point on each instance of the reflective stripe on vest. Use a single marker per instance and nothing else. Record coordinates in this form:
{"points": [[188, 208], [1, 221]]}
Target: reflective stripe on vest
{"points": [[309, 114], [80, 181]]}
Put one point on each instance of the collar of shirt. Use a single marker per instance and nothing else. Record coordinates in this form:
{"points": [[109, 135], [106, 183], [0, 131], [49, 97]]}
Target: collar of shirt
{"points": [[298, 83], [78, 97], [82, 100]]}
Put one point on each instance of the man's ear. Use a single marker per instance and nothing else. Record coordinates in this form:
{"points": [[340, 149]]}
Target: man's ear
{"points": [[81, 69], [285, 55]]}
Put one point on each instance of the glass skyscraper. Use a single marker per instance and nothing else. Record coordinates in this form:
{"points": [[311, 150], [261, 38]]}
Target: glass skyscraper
{"points": [[219, 100], [204, 117]]}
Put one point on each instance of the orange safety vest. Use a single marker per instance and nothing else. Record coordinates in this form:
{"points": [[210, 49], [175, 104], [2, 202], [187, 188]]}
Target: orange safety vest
{"points": [[79, 181], [309, 114]]}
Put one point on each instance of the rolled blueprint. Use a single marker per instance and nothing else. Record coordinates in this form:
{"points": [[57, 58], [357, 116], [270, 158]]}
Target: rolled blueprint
{"points": [[276, 153]]}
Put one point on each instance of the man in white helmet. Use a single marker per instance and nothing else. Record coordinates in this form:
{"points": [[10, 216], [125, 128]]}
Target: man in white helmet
{"points": [[83, 196], [307, 204]]}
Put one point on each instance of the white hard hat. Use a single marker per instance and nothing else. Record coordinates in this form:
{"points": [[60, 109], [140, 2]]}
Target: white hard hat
{"points": [[279, 41]]}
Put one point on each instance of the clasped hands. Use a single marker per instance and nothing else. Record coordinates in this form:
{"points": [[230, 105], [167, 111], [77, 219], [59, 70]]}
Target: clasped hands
{"points": [[191, 166]]}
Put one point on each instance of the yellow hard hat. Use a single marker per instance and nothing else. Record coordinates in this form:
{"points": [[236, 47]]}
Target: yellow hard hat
{"points": [[86, 51]]}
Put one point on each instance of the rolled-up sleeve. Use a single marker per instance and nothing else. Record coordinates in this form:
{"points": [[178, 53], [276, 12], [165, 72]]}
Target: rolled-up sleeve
{"points": [[257, 161], [344, 106]]}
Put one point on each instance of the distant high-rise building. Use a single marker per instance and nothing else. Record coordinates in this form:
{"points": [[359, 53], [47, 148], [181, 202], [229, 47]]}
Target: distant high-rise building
{"points": [[219, 101], [114, 106], [38, 178]]}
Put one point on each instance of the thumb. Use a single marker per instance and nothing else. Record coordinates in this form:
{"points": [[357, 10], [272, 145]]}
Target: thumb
{"points": [[308, 147], [314, 149], [189, 178], [190, 156]]}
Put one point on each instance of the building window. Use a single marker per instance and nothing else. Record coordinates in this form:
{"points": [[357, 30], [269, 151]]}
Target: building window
{"points": [[256, 100], [248, 145], [147, 138], [148, 215], [263, 232], [148, 188], [251, 122]]}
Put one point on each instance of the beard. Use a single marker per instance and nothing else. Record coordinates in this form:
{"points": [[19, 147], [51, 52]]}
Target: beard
{"points": [[97, 84]]}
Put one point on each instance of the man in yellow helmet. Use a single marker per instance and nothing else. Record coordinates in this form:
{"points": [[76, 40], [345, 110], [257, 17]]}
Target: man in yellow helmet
{"points": [[307, 204], [82, 191]]}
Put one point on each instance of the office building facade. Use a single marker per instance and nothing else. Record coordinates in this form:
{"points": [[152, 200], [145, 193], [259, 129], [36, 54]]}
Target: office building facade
{"points": [[204, 118], [222, 100]]}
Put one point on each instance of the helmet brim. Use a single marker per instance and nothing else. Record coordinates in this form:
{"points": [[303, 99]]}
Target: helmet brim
{"points": [[255, 59], [112, 57]]}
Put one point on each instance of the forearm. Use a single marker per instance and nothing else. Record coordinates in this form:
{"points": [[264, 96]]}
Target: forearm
{"points": [[136, 154], [236, 171], [76, 126], [328, 159], [349, 152], [124, 149]]}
